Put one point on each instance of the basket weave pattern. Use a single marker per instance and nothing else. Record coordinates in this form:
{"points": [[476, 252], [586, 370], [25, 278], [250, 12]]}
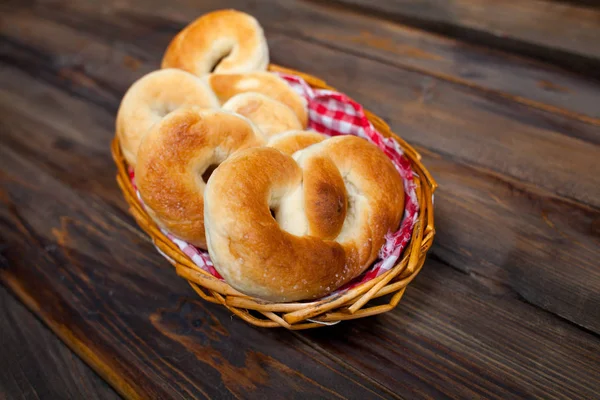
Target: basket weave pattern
{"points": [[351, 304]]}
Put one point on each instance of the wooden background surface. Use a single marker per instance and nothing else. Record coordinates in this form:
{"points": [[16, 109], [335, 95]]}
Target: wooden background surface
{"points": [[501, 98]]}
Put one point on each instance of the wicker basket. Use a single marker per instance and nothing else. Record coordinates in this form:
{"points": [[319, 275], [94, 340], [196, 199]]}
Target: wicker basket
{"points": [[354, 303]]}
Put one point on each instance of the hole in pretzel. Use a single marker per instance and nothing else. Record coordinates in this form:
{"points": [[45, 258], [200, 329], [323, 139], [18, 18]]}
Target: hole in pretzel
{"points": [[208, 172], [218, 60]]}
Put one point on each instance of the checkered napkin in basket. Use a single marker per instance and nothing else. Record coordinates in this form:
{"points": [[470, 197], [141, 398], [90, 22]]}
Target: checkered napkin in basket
{"points": [[333, 114]]}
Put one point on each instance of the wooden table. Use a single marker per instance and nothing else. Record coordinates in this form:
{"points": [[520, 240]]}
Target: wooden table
{"points": [[501, 98]]}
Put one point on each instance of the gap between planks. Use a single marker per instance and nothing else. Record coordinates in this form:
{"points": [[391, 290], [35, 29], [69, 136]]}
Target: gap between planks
{"points": [[434, 257], [300, 336], [463, 82], [581, 117], [491, 34], [445, 77]]}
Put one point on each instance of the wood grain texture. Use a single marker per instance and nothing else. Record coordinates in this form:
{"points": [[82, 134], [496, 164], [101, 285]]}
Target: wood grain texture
{"points": [[35, 364], [468, 338], [515, 257], [557, 31], [488, 70], [493, 72]]}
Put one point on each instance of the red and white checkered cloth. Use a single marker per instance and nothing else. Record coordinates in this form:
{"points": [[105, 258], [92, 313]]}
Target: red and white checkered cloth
{"points": [[333, 114]]}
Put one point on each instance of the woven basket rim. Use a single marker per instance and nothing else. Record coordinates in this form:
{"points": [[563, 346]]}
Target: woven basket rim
{"points": [[310, 314]]}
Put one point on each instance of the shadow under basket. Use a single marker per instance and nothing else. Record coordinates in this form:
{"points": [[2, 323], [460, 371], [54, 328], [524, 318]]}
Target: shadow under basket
{"points": [[378, 295]]}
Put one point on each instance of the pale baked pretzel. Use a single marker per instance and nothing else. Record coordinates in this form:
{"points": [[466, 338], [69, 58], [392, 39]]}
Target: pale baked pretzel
{"points": [[269, 115], [224, 41], [226, 86], [152, 97], [333, 203]]}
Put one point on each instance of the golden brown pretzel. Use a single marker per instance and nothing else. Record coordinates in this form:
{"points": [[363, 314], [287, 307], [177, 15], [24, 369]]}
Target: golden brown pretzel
{"points": [[226, 41], [174, 156], [334, 202]]}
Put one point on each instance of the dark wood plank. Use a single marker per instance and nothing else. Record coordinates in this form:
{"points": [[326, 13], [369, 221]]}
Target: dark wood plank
{"points": [[557, 31], [35, 364], [504, 233], [492, 72], [459, 336]]}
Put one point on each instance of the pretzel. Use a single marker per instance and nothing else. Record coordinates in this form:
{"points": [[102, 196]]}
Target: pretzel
{"points": [[178, 154], [152, 97], [286, 214], [175, 159], [225, 86], [269, 115], [293, 141], [333, 204], [225, 41]]}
